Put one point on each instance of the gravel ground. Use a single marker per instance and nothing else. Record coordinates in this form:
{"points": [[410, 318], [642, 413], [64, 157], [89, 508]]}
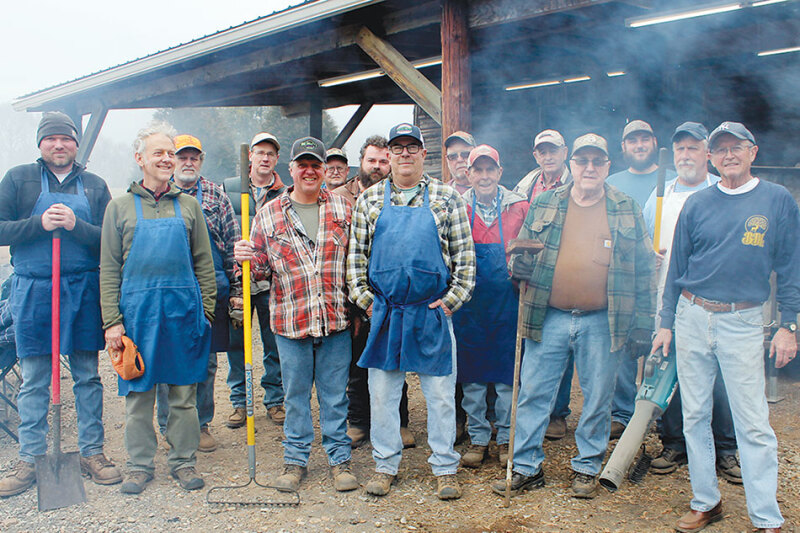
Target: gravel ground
{"points": [[411, 506]]}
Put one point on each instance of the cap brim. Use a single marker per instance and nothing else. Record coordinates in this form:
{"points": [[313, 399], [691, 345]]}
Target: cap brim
{"points": [[308, 154]]}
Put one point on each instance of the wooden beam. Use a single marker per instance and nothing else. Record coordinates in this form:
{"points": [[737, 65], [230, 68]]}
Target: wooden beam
{"points": [[400, 70], [456, 79], [485, 13], [315, 117], [90, 134], [351, 125]]}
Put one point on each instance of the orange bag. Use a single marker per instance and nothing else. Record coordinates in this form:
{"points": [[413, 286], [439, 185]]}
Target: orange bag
{"points": [[128, 363]]}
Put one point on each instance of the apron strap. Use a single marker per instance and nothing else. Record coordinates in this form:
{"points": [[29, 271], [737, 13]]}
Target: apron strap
{"points": [[177, 208], [499, 216], [137, 200], [387, 195], [46, 183]]}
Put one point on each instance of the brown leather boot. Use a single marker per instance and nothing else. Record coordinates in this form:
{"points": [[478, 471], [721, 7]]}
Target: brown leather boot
{"points": [[100, 470], [697, 520], [18, 480]]}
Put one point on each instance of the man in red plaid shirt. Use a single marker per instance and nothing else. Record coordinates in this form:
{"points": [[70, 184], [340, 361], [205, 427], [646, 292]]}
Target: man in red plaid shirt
{"points": [[299, 239]]}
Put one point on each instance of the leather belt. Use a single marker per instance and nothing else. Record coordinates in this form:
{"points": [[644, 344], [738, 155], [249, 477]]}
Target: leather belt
{"points": [[717, 307]]}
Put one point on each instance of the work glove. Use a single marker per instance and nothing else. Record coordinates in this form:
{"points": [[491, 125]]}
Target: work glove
{"points": [[522, 267], [640, 342], [236, 313]]}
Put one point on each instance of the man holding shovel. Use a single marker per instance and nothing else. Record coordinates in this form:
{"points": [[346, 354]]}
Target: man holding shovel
{"points": [[56, 193]]}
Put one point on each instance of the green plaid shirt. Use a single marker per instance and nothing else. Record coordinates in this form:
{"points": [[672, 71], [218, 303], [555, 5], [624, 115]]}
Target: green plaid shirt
{"points": [[631, 274]]}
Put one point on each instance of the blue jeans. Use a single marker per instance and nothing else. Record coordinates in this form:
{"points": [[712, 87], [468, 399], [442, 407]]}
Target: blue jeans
{"points": [[34, 400], [385, 389], [271, 380], [561, 408], [476, 407], [205, 398], [625, 390], [734, 341], [322, 362], [587, 337]]}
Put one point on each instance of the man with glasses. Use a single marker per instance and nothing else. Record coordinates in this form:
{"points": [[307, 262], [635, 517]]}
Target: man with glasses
{"points": [[728, 240], [457, 147], [410, 265], [336, 169], [589, 293]]}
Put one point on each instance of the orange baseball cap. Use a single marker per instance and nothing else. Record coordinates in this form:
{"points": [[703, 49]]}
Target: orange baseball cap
{"points": [[484, 150], [187, 141]]}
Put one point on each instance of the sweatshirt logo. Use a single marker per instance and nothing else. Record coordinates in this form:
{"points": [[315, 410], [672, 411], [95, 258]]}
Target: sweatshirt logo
{"points": [[754, 230]]}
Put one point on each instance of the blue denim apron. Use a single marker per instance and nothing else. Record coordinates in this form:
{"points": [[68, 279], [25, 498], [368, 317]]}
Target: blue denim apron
{"points": [[31, 293], [219, 328], [407, 272], [486, 326], [161, 304]]}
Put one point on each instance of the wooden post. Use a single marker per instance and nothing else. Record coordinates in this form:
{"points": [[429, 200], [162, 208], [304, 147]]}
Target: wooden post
{"points": [[456, 80]]}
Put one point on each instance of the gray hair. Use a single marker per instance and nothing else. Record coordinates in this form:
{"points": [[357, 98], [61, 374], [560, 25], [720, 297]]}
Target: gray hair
{"points": [[378, 141], [151, 129]]}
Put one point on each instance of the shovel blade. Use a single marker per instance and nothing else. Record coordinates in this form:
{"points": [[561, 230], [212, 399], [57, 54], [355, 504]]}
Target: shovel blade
{"points": [[58, 481]]}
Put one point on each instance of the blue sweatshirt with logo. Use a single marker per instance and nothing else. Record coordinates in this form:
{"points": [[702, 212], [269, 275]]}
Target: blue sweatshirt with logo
{"points": [[725, 247]]}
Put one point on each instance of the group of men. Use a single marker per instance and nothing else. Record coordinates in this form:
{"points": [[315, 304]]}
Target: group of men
{"points": [[359, 281]]}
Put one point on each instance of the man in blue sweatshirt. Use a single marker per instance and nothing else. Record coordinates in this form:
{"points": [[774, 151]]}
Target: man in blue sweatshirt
{"points": [[728, 240]]}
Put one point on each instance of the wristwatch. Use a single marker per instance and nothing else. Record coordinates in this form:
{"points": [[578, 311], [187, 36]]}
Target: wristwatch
{"points": [[791, 326]]}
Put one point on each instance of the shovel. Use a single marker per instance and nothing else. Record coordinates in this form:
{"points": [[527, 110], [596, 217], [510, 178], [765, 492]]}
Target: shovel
{"points": [[58, 475]]}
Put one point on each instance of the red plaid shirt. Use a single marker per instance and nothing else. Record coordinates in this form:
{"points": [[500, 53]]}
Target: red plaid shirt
{"points": [[309, 295]]}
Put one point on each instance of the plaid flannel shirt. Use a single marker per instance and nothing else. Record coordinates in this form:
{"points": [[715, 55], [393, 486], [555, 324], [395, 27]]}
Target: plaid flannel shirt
{"points": [[455, 236], [308, 296], [631, 274], [223, 227]]}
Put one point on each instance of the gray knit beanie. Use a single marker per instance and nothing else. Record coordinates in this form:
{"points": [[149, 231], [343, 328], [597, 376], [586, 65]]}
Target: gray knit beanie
{"points": [[56, 123]]}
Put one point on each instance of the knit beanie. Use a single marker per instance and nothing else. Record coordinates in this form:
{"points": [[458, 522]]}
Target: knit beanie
{"points": [[56, 123]]}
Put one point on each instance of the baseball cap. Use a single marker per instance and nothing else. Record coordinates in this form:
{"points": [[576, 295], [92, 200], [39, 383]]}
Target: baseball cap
{"points": [[590, 140], [264, 136], [335, 152], [404, 129], [308, 146], [549, 137], [695, 129], [736, 129], [460, 136], [636, 125], [56, 123], [187, 141], [484, 150]]}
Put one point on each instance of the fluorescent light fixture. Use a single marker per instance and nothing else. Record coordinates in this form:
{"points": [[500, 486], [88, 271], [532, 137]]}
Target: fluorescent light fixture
{"points": [[532, 85], [760, 3], [375, 73], [615, 73], [672, 16], [577, 79], [777, 51]]}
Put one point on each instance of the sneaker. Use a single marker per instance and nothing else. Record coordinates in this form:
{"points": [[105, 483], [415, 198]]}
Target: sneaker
{"points": [[502, 454], [556, 429], [207, 442], [584, 486], [616, 430], [237, 418], [290, 480], [447, 487], [474, 456], [519, 483], [19, 480], [379, 484], [668, 461], [135, 482], [277, 414], [188, 478], [358, 436], [343, 478], [728, 467], [409, 441], [100, 470]]}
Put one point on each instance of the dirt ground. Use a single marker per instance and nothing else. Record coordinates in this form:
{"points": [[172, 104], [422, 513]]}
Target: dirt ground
{"points": [[411, 506]]}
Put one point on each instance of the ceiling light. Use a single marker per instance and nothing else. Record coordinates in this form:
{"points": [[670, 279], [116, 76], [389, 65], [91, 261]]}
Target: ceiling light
{"points": [[760, 3], [672, 16], [532, 85], [615, 73], [375, 73], [777, 51], [577, 79]]}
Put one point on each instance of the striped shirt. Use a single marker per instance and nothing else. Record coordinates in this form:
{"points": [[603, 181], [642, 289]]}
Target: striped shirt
{"points": [[309, 295], [455, 236]]}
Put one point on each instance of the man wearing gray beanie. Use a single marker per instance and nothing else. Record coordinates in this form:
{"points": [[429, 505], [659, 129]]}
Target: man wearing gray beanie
{"points": [[56, 193]]}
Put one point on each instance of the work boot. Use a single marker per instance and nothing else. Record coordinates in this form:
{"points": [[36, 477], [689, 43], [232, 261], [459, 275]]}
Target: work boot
{"points": [[237, 418], [668, 461], [728, 467], [100, 470], [135, 482], [616, 430], [343, 478], [188, 478], [379, 484], [556, 429], [519, 483], [358, 436], [409, 441], [584, 486], [447, 487], [19, 480], [502, 454], [277, 414], [290, 480], [207, 442], [697, 520], [474, 456]]}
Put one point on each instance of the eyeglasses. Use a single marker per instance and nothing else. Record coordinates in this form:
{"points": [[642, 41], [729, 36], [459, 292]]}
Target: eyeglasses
{"points": [[337, 170], [583, 162], [734, 150], [397, 149], [455, 155]]}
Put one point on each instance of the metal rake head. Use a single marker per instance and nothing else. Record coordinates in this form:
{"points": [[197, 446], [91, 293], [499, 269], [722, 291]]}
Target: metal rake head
{"points": [[252, 493]]}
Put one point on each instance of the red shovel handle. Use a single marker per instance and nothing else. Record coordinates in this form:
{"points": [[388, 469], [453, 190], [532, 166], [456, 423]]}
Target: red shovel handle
{"points": [[55, 334]]}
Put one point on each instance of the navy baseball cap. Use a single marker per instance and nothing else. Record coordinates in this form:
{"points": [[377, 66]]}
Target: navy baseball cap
{"points": [[695, 129], [405, 130], [736, 129], [308, 146]]}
